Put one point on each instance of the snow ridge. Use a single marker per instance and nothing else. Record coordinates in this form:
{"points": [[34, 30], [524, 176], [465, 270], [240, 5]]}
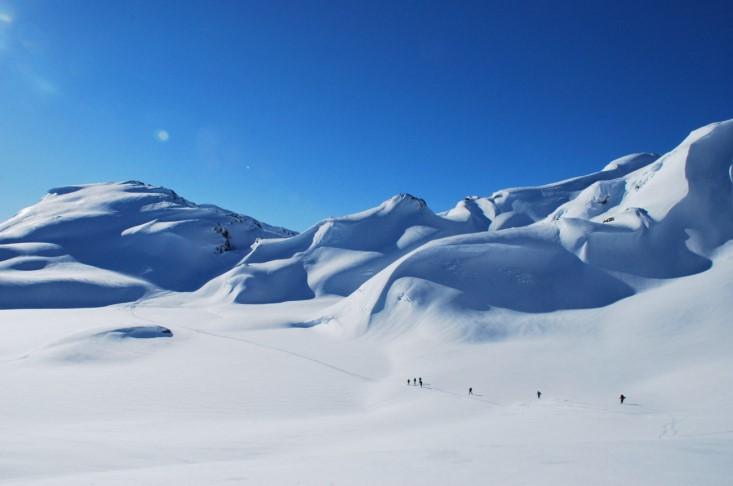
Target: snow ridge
{"points": [[98, 244]]}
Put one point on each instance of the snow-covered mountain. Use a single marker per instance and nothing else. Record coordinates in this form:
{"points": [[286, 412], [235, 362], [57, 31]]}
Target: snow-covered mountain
{"points": [[608, 240], [582, 242], [295, 349], [99, 244], [337, 255]]}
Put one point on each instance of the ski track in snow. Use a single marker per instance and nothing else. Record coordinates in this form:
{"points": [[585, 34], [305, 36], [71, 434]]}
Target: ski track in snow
{"points": [[134, 308]]}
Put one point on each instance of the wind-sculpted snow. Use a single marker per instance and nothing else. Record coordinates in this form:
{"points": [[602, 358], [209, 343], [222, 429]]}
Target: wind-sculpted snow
{"points": [[522, 206], [522, 269], [337, 255], [95, 346], [116, 242], [583, 242], [661, 221]]}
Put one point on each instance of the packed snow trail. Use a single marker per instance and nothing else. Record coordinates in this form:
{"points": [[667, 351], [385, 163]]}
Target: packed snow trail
{"points": [[134, 311]]}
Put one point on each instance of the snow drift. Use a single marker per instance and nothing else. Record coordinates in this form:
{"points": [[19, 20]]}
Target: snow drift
{"points": [[522, 206], [102, 345]]}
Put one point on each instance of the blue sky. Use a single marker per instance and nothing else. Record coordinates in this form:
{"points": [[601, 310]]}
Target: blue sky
{"points": [[295, 111]]}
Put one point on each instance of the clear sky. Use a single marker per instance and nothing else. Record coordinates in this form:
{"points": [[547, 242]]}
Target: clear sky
{"points": [[295, 111]]}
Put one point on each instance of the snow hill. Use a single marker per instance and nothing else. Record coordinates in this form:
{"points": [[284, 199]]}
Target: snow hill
{"points": [[337, 255], [522, 206], [100, 244], [582, 242], [610, 238]]}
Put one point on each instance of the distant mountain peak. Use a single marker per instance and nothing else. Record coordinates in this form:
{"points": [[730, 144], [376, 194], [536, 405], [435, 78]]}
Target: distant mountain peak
{"points": [[405, 199]]}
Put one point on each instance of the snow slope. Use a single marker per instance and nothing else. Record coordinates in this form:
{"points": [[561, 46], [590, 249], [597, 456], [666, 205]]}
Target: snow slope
{"points": [[105, 243], [522, 206], [337, 255], [664, 220], [613, 238], [236, 396]]}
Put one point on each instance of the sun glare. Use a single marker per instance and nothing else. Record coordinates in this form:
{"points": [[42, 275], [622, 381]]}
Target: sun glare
{"points": [[162, 135]]}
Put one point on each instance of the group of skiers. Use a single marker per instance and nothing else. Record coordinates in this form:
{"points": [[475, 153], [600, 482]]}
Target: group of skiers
{"points": [[415, 382]]}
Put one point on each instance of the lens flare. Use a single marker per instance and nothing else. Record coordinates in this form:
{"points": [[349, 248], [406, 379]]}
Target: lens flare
{"points": [[162, 135]]}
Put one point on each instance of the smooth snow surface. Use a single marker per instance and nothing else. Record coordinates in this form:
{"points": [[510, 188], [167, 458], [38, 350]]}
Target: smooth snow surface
{"points": [[287, 362]]}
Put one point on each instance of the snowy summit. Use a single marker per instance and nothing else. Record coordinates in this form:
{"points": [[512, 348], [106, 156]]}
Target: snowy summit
{"points": [[99, 244]]}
